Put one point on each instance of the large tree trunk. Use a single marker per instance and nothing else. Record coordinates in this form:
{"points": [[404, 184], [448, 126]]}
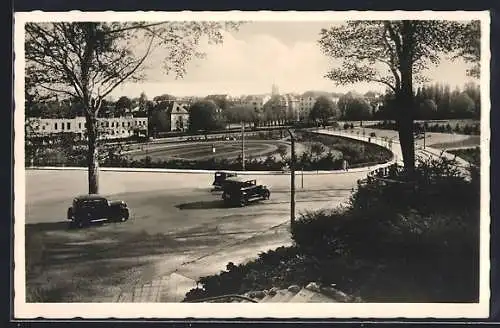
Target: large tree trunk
{"points": [[405, 101], [92, 155], [406, 138]]}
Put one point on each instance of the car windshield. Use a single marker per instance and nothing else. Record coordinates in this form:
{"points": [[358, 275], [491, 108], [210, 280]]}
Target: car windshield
{"points": [[249, 183]]}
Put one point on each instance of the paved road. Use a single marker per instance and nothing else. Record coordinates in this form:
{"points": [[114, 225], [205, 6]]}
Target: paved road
{"points": [[177, 224]]}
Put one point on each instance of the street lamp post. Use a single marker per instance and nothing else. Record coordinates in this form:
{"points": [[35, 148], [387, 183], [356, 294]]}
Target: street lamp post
{"points": [[424, 135], [292, 178], [302, 181], [243, 146]]}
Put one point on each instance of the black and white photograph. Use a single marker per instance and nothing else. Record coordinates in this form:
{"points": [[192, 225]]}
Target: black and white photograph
{"points": [[335, 164]]}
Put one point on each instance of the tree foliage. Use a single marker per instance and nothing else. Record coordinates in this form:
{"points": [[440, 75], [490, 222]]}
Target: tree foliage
{"points": [[427, 109], [372, 51], [354, 107], [470, 50], [396, 54], [123, 103], [164, 98], [275, 109], [462, 105], [240, 113], [324, 108], [205, 115]]}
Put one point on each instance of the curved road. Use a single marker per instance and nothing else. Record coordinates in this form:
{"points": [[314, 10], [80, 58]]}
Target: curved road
{"points": [[177, 225]]}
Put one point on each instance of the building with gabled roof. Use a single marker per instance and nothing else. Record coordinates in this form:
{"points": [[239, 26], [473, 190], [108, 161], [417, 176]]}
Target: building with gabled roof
{"points": [[179, 116]]}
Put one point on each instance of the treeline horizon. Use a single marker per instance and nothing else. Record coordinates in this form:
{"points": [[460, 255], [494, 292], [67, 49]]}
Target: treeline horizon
{"points": [[437, 101], [432, 101]]}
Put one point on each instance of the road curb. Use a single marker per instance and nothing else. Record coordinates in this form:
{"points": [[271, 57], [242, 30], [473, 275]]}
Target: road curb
{"points": [[152, 170]]}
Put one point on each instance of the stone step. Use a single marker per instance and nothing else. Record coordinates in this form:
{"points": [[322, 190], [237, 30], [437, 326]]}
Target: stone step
{"points": [[169, 288], [308, 296], [282, 296]]}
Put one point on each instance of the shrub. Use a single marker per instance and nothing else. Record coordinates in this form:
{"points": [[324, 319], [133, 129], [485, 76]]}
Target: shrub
{"points": [[377, 243], [318, 232]]}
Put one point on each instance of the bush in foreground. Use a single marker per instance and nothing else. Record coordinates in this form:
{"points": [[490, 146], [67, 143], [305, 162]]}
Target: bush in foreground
{"points": [[404, 241]]}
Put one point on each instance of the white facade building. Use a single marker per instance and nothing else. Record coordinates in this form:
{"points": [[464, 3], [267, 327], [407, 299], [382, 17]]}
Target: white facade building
{"points": [[179, 117], [305, 105], [109, 128], [255, 102]]}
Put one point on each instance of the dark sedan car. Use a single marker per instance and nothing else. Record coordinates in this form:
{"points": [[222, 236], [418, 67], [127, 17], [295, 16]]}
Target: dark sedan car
{"points": [[94, 208], [219, 179], [240, 191]]}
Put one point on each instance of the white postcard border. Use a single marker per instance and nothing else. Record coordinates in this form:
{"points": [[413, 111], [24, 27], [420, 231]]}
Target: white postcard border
{"points": [[23, 310]]}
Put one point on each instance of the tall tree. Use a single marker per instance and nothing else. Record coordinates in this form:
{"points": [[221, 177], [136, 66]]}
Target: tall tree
{"points": [[394, 53], [470, 47], [427, 110], [164, 98], [123, 104], [88, 60], [143, 101], [357, 109], [462, 106], [240, 113], [205, 115], [324, 109]]}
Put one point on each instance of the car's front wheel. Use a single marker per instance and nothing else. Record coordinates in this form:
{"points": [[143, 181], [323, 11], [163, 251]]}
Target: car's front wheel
{"points": [[124, 216], [77, 224], [267, 194]]}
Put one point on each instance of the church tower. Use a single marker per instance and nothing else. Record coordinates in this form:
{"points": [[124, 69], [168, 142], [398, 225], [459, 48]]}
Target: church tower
{"points": [[275, 91]]}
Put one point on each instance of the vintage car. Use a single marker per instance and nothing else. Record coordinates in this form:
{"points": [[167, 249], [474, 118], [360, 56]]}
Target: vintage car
{"points": [[241, 191], [219, 179], [95, 208]]}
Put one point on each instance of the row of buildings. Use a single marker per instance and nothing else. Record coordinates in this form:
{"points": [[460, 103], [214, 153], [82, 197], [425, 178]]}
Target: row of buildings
{"points": [[174, 116], [109, 128], [297, 106]]}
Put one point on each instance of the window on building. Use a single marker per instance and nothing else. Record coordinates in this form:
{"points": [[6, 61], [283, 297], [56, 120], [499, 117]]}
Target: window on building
{"points": [[123, 124], [79, 125], [128, 123], [112, 124], [55, 126], [107, 124], [43, 127], [68, 125], [62, 125]]}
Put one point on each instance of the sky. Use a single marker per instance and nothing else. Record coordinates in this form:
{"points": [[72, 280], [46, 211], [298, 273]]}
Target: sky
{"points": [[262, 53]]}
